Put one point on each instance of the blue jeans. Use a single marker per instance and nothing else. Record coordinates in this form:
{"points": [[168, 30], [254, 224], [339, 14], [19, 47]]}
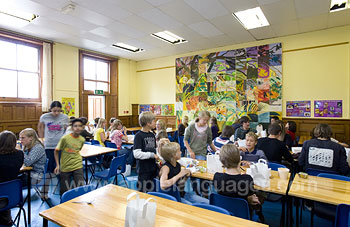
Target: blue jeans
{"points": [[191, 197], [129, 155], [200, 157]]}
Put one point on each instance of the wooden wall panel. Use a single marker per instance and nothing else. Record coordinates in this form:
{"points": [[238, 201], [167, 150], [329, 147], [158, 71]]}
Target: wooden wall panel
{"points": [[340, 127], [18, 116]]}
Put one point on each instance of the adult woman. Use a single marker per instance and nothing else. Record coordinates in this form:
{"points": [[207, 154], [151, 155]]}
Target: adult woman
{"points": [[52, 127], [11, 161], [34, 155]]}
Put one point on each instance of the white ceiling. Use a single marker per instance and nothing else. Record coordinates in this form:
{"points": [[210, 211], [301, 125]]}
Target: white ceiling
{"points": [[97, 24]]}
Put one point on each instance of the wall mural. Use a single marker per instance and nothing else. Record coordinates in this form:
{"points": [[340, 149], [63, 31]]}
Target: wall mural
{"points": [[231, 84]]}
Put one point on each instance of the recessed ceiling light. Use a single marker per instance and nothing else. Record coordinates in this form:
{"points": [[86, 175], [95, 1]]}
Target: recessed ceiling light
{"points": [[29, 17], [337, 5], [128, 47], [169, 37], [251, 18]]}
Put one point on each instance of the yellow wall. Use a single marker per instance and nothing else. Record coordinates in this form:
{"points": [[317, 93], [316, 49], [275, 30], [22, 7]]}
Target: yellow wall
{"points": [[308, 74], [66, 78], [66, 73]]}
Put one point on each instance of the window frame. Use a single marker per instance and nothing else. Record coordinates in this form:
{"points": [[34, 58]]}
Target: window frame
{"points": [[22, 40], [95, 57]]}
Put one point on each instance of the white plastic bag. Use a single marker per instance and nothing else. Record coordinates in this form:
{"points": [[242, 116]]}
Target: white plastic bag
{"points": [[140, 212], [213, 164], [260, 173]]}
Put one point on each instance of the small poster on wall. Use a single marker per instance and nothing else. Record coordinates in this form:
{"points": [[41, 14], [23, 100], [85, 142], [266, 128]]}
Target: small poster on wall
{"points": [[68, 105], [158, 109], [298, 109], [328, 108]]}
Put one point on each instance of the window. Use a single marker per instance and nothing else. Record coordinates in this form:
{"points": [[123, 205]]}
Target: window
{"points": [[20, 75], [96, 74]]}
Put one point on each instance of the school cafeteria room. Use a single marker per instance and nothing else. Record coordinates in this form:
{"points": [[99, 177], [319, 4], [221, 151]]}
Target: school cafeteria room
{"points": [[174, 113]]}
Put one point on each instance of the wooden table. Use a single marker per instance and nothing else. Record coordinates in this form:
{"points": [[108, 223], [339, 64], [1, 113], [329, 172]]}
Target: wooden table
{"points": [[91, 151], [277, 185], [133, 129], [319, 189], [22, 170], [109, 207]]}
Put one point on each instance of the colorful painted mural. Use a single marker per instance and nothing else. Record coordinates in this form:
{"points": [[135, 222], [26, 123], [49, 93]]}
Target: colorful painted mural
{"points": [[231, 84], [158, 109]]}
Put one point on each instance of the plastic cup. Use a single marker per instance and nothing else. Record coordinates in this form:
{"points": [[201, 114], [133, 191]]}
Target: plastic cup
{"points": [[283, 173]]}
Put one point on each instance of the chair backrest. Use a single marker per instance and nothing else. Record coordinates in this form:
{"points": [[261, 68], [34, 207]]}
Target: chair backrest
{"points": [[87, 142], [119, 161], [94, 142], [163, 195], [173, 190], [334, 176], [181, 142], [111, 145], [274, 166], [342, 216], [237, 206], [75, 192], [212, 208], [12, 191], [315, 172]]}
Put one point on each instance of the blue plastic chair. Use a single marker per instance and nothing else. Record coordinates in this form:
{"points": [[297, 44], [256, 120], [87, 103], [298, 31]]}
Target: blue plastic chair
{"points": [[237, 206], [324, 210], [12, 192], [212, 208], [315, 172], [334, 176], [75, 192], [342, 216], [173, 190], [274, 166], [111, 145], [113, 171], [88, 143], [95, 142], [163, 195]]}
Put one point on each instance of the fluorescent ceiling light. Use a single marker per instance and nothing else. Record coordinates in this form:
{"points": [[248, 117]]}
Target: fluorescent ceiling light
{"points": [[251, 18], [128, 47], [169, 37], [337, 5], [29, 17]]}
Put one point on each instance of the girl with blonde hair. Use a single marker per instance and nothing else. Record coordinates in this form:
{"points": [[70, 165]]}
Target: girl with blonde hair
{"points": [[100, 132]]}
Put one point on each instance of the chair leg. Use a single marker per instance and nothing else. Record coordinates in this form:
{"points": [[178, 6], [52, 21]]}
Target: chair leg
{"points": [[25, 218], [98, 182], [126, 183]]}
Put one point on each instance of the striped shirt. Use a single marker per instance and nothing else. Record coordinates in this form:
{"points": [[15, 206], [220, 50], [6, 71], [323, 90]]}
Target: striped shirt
{"points": [[218, 143]]}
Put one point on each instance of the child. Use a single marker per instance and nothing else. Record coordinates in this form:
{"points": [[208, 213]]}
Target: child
{"points": [[145, 152], [52, 127], [172, 174], [11, 161], [160, 125], [85, 132], [71, 162], [100, 132], [182, 126], [117, 136], [199, 136], [34, 156], [161, 138], [218, 142], [244, 129], [214, 127], [232, 183], [249, 152]]}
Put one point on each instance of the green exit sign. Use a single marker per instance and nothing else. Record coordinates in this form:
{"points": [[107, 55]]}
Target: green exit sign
{"points": [[98, 92]]}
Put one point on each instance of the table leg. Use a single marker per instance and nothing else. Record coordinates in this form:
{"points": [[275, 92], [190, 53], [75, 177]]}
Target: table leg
{"points": [[283, 218], [45, 222], [29, 198], [297, 212], [86, 171]]}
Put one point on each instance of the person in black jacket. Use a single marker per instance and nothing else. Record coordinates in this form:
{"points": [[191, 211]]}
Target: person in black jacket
{"points": [[323, 154], [84, 133], [11, 161], [273, 148]]}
